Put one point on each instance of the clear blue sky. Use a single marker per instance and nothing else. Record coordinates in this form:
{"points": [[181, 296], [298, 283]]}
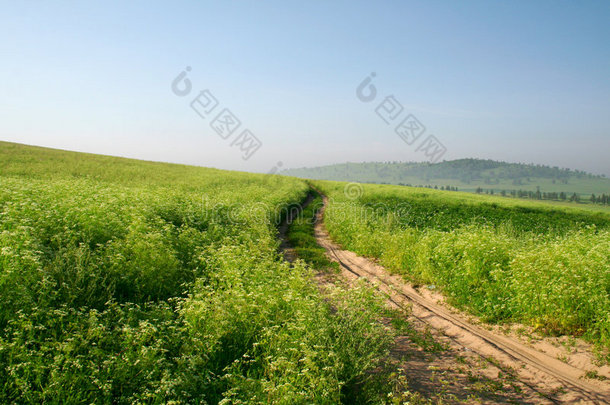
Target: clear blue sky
{"points": [[524, 81]]}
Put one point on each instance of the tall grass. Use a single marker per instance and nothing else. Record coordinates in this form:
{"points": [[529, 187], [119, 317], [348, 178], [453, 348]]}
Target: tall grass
{"points": [[541, 265], [132, 282]]}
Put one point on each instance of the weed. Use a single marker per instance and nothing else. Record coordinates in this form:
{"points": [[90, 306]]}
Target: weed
{"points": [[536, 264]]}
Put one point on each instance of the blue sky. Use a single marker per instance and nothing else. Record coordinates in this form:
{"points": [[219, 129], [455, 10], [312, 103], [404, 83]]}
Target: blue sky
{"points": [[519, 81]]}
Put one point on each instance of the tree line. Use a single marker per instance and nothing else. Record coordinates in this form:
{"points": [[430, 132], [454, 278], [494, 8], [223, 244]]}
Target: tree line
{"points": [[603, 199]]}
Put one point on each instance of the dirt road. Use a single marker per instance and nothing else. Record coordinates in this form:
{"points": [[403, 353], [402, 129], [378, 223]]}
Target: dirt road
{"points": [[544, 378]]}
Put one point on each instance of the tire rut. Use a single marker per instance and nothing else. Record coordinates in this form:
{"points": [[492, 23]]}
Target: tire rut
{"points": [[538, 371]]}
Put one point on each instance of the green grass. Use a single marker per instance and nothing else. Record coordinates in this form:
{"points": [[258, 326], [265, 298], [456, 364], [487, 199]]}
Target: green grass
{"points": [[302, 238], [125, 281], [502, 259]]}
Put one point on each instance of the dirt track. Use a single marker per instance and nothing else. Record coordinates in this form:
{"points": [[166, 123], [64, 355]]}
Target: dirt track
{"points": [[544, 378]]}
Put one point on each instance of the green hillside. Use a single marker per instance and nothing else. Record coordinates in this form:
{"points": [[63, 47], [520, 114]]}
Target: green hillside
{"points": [[125, 281], [466, 175]]}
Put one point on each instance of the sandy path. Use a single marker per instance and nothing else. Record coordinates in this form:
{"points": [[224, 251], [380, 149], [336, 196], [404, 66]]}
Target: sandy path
{"points": [[546, 378]]}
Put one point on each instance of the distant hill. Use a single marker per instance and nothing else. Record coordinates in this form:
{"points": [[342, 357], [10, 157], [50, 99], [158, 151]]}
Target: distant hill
{"points": [[465, 174]]}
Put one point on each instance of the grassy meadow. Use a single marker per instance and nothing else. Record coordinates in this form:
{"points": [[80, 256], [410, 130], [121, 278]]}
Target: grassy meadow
{"points": [[125, 281], [504, 260]]}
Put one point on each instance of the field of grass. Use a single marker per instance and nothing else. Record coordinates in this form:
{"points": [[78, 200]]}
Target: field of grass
{"points": [[125, 281], [504, 260]]}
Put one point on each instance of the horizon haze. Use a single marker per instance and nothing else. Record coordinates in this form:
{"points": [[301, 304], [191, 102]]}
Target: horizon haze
{"points": [[517, 82]]}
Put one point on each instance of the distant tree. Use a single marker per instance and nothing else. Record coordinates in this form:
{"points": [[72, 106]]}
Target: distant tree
{"points": [[593, 198]]}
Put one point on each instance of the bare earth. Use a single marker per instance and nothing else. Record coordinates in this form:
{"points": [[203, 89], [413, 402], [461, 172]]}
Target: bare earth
{"points": [[480, 363]]}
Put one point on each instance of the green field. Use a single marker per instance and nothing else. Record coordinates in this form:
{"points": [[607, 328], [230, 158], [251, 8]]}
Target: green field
{"points": [[125, 281], [505, 260]]}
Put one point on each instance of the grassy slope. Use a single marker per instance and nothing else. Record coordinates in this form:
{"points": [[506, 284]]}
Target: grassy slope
{"points": [[120, 284]]}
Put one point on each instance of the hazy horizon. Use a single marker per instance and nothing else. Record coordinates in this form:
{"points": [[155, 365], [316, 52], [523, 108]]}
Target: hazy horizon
{"points": [[514, 82], [278, 170]]}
